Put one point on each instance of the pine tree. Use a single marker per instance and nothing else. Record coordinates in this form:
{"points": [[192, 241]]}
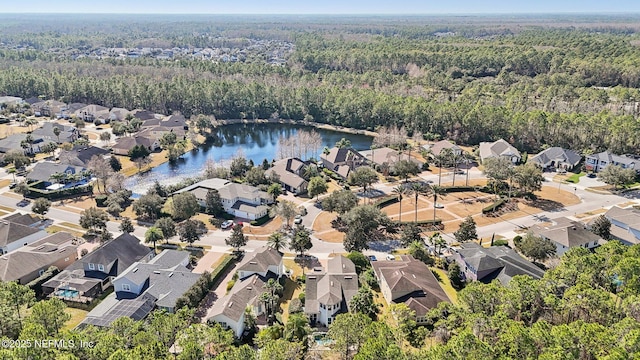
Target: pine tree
{"points": [[467, 230]]}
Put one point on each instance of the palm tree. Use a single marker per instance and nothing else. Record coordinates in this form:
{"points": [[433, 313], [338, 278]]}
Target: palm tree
{"points": [[467, 158], [399, 191], [418, 189], [29, 140], [56, 132], [57, 177], [443, 158], [12, 171], [153, 235], [437, 192], [455, 159], [277, 242], [267, 300]]}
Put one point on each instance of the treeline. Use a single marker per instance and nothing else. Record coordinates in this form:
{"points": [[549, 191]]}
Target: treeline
{"points": [[585, 308]]}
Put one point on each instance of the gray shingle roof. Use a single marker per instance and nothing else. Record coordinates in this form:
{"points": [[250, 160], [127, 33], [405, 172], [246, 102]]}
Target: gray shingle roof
{"points": [[567, 233], [11, 232], [244, 293], [287, 170], [116, 255], [42, 171], [37, 256], [67, 133], [260, 260], [512, 263], [496, 149], [81, 155], [556, 154], [337, 286]]}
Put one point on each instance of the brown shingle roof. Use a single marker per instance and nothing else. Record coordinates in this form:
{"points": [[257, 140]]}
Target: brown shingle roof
{"points": [[260, 260]]}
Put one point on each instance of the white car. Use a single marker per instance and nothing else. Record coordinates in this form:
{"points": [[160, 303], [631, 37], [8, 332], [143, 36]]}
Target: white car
{"points": [[390, 257], [298, 219], [227, 224], [439, 206]]}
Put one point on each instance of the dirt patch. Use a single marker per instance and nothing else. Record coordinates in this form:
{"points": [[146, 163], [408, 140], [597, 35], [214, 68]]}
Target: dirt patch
{"points": [[205, 219], [323, 221], [7, 130], [12, 195], [269, 228], [591, 213], [472, 182], [331, 235]]}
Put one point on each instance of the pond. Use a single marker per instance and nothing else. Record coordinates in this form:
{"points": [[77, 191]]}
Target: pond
{"points": [[256, 141]]}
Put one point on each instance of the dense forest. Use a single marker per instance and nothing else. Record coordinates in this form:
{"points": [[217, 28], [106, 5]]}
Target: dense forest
{"points": [[567, 82]]}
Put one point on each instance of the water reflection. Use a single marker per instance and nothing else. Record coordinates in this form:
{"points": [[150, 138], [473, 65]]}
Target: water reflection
{"points": [[257, 141]]}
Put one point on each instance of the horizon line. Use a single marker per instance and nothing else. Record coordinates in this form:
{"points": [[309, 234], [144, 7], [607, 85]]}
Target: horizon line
{"points": [[337, 14]]}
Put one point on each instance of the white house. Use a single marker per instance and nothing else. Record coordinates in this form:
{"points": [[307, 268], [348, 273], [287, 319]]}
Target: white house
{"points": [[254, 273], [625, 224], [329, 293], [499, 148], [14, 236], [240, 200]]}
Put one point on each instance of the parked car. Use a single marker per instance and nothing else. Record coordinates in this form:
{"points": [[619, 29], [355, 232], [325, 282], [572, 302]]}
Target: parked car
{"points": [[391, 257], [373, 258], [298, 219], [227, 224], [591, 175], [23, 203], [12, 185], [439, 206]]}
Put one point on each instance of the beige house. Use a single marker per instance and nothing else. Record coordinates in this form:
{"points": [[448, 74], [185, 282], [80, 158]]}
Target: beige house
{"points": [[499, 148], [566, 233], [31, 261], [290, 173]]}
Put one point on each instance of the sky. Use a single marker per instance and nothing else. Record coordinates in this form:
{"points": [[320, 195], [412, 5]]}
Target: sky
{"points": [[416, 7]]}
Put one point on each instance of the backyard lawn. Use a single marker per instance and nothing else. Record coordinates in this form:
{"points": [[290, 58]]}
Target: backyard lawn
{"points": [[77, 316]]}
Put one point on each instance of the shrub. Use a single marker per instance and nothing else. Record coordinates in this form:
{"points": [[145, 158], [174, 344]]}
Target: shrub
{"points": [[301, 297], [261, 221], [35, 193], [387, 200], [493, 207], [501, 243], [101, 200], [453, 189], [84, 252], [295, 306], [230, 285]]}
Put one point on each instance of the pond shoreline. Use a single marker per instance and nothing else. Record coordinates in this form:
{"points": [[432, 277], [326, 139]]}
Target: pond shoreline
{"points": [[346, 130]]}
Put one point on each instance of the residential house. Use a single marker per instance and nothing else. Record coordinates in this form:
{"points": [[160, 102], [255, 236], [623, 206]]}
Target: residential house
{"points": [[436, 148], [44, 171], [329, 293], [31, 261], [409, 281], [126, 143], [67, 133], [90, 113], [230, 310], [49, 108], [160, 282], [290, 172], [143, 114], [33, 100], [262, 261], [81, 155], [29, 220], [496, 262], [118, 114], [599, 161], [240, 200], [10, 100], [342, 160], [71, 109], [176, 121], [15, 142], [387, 156], [499, 148], [14, 235], [91, 275], [625, 224], [566, 234], [556, 157]]}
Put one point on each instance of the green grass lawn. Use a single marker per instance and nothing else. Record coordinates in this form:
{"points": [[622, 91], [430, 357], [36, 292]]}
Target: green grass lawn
{"points": [[55, 228], [446, 285], [77, 316], [575, 178]]}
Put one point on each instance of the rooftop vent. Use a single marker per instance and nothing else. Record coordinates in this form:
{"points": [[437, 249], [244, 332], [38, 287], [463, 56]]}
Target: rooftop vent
{"points": [[155, 272], [331, 282], [135, 270], [348, 277], [171, 274], [253, 262], [311, 277], [230, 304]]}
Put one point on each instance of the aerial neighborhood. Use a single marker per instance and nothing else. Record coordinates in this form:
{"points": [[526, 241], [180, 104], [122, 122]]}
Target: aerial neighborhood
{"points": [[269, 192]]}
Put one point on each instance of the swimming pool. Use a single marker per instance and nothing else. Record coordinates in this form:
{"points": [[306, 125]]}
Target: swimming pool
{"points": [[67, 293]]}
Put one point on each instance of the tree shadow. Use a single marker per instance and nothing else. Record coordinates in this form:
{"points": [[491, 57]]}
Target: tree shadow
{"points": [[546, 205]]}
